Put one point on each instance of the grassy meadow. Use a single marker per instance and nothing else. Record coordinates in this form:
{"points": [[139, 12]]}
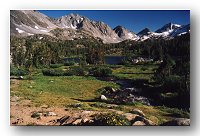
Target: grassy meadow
{"points": [[68, 91]]}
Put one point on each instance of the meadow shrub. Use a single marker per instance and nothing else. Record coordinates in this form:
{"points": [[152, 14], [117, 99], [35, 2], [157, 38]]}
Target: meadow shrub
{"points": [[173, 82], [70, 63], [53, 72], [125, 62], [55, 65], [101, 71], [111, 119], [14, 71], [77, 71]]}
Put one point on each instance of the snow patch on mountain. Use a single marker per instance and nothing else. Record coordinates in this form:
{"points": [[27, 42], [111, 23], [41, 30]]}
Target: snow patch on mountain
{"points": [[30, 34], [36, 27], [44, 31], [73, 27], [19, 30]]}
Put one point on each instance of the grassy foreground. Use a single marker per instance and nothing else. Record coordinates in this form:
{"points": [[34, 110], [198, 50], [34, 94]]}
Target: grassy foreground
{"points": [[63, 91], [59, 91]]}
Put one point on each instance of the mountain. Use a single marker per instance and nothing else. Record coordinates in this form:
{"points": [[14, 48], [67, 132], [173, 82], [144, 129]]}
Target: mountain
{"points": [[168, 31], [182, 30], [26, 22], [89, 27], [124, 33], [29, 22], [70, 21], [168, 28], [145, 31], [74, 26]]}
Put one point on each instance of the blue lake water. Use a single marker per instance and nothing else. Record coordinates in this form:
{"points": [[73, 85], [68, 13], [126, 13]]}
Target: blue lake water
{"points": [[112, 60]]}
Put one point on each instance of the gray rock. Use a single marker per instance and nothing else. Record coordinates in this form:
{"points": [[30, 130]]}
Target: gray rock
{"points": [[143, 119], [177, 122], [138, 112], [77, 122], [36, 115], [51, 114], [129, 116], [62, 120], [14, 99], [68, 121], [124, 33], [21, 77], [127, 95], [108, 88], [138, 123], [85, 120], [110, 106], [103, 98], [76, 105], [44, 106]]}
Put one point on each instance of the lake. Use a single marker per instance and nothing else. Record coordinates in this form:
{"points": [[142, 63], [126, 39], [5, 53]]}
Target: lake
{"points": [[112, 60]]}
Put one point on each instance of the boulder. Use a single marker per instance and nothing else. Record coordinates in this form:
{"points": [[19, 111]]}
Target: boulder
{"points": [[110, 89], [72, 120], [62, 120], [141, 99], [116, 111], [36, 115], [44, 106], [77, 122], [127, 95], [103, 98], [86, 114], [14, 99], [138, 112], [69, 121], [177, 122], [138, 123], [51, 114], [143, 119], [76, 105], [113, 90], [129, 116], [85, 120]]}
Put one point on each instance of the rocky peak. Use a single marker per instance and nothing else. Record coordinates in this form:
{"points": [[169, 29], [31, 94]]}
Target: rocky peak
{"points": [[70, 21], [29, 22], [145, 31], [124, 33], [168, 27], [120, 31]]}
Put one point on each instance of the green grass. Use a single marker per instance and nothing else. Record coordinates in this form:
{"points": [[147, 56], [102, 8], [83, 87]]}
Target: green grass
{"points": [[67, 91], [60, 90], [157, 114], [134, 72]]}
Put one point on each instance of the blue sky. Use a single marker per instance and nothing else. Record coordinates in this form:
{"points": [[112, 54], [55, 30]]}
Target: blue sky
{"points": [[134, 20]]}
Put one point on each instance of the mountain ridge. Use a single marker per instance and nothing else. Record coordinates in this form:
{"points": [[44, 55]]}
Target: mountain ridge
{"points": [[29, 22]]}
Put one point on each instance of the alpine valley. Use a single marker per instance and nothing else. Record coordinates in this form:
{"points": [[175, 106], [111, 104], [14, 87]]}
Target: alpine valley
{"points": [[74, 71]]}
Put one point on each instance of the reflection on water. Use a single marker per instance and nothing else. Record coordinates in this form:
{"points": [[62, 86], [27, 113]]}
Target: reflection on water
{"points": [[113, 60]]}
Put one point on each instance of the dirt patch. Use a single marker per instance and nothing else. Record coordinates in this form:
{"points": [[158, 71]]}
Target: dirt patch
{"points": [[21, 112]]}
